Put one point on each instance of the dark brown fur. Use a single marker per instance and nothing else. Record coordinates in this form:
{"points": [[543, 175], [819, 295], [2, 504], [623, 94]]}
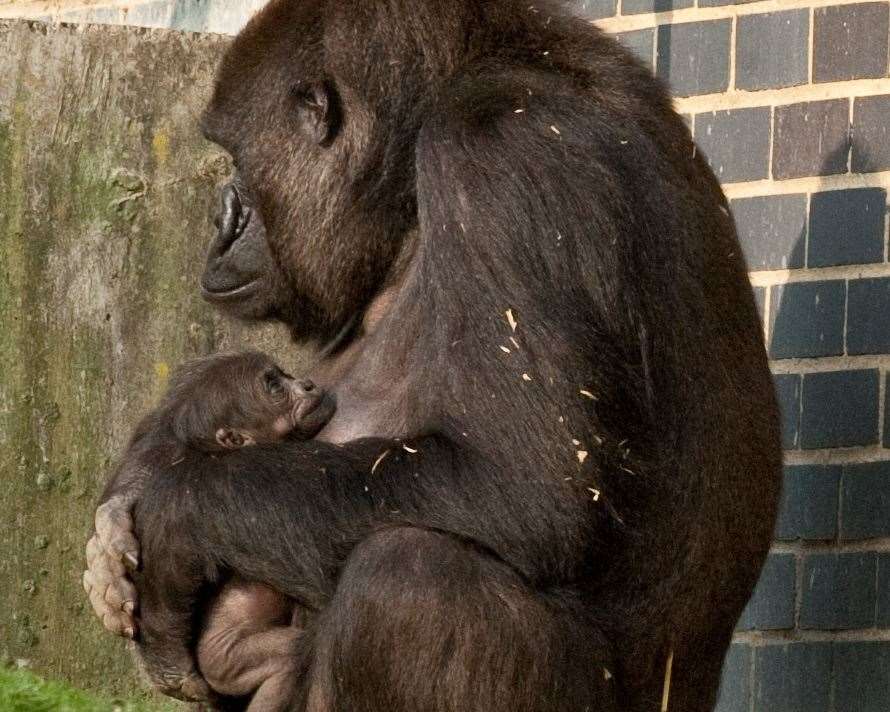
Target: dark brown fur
{"points": [[589, 484], [216, 404]]}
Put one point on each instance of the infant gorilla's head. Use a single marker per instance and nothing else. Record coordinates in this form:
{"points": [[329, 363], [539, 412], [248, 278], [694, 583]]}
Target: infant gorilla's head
{"points": [[232, 400]]}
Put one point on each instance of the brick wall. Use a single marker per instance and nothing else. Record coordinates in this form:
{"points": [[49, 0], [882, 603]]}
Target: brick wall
{"points": [[790, 102]]}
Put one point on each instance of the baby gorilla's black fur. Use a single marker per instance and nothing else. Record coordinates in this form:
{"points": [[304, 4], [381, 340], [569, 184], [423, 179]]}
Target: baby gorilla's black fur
{"points": [[215, 405], [232, 400]]}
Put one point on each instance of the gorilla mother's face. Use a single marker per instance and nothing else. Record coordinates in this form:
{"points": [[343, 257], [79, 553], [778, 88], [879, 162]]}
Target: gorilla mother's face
{"points": [[303, 236]]}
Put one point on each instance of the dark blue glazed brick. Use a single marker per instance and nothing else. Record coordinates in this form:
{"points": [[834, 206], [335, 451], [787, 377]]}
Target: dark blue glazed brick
{"points": [[882, 610], [793, 678], [839, 409], [850, 42], [772, 50], [847, 227], [634, 7], [839, 591], [807, 319], [809, 505], [788, 387], [868, 316], [865, 501], [811, 139], [871, 134], [772, 604], [694, 57], [735, 687], [862, 677], [885, 439], [735, 142], [772, 230], [641, 43]]}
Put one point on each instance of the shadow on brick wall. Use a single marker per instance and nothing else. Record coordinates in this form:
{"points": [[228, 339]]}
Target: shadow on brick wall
{"points": [[810, 638]]}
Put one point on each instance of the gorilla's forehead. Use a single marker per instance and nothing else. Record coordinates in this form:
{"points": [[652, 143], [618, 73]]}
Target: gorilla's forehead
{"points": [[277, 49]]}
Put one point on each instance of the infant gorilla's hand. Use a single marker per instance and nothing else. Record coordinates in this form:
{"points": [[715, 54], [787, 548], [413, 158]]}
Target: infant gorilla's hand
{"points": [[110, 551]]}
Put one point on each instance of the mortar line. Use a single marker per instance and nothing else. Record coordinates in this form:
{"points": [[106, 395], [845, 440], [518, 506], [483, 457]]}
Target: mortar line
{"points": [[786, 96], [624, 23]]}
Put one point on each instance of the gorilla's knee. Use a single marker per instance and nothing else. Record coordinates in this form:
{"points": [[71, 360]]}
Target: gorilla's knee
{"points": [[448, 626]]}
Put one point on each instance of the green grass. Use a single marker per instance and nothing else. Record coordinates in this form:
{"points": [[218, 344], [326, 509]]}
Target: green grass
{"points": [[23, 691]]}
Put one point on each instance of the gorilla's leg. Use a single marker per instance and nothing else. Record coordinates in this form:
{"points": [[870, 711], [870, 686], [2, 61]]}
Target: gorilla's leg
{"points": [[422, 622]]}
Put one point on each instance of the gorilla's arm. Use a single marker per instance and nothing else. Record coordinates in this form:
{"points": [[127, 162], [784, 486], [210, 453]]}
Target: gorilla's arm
{"points": [[113, 549], [289, 515]]}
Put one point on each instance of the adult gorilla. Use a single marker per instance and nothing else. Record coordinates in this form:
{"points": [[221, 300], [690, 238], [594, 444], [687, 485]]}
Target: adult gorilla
{"points": [[555, 462]]}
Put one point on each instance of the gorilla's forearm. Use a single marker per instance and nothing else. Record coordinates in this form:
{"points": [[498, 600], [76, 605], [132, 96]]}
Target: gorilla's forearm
{"points": [[135, 467], [289, 515]]}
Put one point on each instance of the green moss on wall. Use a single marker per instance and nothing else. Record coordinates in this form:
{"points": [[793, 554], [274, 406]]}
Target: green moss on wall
{"points": [[106, 192]]}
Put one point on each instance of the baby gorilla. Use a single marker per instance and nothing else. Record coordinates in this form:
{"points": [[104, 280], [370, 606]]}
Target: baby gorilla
{"points": [[214, 405], [232, 400]]}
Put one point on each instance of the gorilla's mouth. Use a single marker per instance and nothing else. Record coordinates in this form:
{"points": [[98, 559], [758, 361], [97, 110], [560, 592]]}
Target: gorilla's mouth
{"points": [[231, 294], [238, 261], [312, 414]]}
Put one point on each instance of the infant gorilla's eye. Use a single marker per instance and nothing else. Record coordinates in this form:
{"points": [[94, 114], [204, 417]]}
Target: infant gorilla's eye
{"points": [[274, 386]]}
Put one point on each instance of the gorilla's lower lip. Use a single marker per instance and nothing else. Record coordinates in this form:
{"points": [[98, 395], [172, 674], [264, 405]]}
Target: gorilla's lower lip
{"points": [[240, 292]]}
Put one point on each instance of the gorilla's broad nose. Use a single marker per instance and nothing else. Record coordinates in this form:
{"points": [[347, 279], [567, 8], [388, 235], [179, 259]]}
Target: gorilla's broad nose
{"points": [[231, 219], [307, 385]]}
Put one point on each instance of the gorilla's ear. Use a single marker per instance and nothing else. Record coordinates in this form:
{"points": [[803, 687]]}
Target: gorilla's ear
{"points": [[232, 439], [318, 110]]}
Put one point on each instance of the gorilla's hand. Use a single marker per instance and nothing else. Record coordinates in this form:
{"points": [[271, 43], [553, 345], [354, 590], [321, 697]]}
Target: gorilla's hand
{"points": [[110, 551], [181, 680]]}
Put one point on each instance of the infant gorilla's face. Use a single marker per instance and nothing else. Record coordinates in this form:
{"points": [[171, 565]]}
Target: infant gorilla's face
{"points": [[282, 407]]}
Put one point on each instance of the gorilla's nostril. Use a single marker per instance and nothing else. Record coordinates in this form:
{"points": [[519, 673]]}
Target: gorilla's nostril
{"points": [[231, 219], [307, 385]]}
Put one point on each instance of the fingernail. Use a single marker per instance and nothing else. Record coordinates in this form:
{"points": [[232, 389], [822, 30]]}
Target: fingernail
{"points": [[130, 632], [131, 559], [129, 607]]}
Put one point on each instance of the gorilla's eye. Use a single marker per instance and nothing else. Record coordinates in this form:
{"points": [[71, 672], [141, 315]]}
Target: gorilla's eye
{"points": [[318, 111], [273, 383]]}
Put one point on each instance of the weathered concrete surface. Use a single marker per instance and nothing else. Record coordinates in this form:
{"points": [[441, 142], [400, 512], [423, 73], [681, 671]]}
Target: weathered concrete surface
{"points": [[106, 193], [222, 16]]}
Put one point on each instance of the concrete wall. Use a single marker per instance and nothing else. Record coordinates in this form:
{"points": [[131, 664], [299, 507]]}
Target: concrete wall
{"points": [[219, 16], [106, 193]]}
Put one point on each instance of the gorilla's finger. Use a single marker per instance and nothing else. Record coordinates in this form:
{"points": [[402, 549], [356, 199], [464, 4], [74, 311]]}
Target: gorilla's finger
{"points": [[118, 625], [112, 596], [94, 549], [106, 567], [114, 527], [120, 595], [115, 596], [125, 548], [114, 621]]}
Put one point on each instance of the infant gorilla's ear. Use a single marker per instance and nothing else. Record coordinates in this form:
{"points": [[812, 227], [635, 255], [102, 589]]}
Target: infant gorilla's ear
{"points": [[232, 439]]}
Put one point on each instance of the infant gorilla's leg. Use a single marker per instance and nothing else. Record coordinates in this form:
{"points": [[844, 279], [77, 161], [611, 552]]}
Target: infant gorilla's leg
{"points": [[248, 645]]}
